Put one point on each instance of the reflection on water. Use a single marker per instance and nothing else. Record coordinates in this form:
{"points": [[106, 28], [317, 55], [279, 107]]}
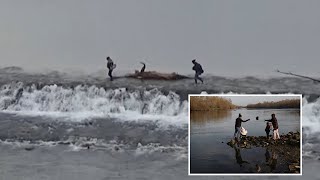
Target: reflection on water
{"points": [[270, 160], [239, 159], [273, 161], [267, 155], [205, 116]]}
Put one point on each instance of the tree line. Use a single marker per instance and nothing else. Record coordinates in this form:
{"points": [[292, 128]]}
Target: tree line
{"points": [[288, 103], [207, 103]]}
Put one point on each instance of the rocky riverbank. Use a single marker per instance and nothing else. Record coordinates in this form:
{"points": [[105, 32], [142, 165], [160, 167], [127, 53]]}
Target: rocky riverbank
{"points": [[287, 148]]}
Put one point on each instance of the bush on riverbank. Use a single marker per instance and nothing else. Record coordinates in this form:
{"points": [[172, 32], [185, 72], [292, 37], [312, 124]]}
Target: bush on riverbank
{"points": [[207, 103]]}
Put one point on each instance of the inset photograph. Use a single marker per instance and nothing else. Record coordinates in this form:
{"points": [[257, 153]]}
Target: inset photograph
{"points": [[245, 135]]}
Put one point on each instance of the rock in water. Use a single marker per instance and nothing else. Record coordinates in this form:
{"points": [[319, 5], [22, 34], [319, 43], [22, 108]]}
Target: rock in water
{"points": [[258, 168], [233, 141], [30, 148]]}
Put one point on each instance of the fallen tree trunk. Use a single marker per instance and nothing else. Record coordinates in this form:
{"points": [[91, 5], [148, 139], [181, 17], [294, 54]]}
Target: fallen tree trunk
{"points": [[153, 75], [297, 75]]}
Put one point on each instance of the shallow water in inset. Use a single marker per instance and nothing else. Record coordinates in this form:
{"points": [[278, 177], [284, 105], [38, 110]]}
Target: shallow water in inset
{"points": [[210, 131]]}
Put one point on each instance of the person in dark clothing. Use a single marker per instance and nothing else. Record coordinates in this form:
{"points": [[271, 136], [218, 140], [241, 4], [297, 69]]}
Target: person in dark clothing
{"points": [[110, 66], [198, 69], [238, 126], [275, 125], [143, 67], [267, 129]]}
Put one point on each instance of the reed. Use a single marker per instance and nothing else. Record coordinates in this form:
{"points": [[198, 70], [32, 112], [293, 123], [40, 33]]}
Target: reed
{"points": [[207, 103]]}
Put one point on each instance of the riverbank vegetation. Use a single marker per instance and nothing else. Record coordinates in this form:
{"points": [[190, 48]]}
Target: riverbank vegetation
{"points": [[207, 103], [284, 104]]}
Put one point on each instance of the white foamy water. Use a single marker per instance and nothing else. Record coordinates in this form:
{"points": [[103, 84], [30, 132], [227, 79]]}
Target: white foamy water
{"points": [[311, 116], [83, 102]]}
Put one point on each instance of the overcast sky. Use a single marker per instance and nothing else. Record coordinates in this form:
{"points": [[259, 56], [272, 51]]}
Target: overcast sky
{"points": [[228, 37], [245, 100]]}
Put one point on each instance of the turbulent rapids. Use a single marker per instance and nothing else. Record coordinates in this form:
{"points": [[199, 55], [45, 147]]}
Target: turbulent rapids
{"points": [[53, 98], [87, 110]]}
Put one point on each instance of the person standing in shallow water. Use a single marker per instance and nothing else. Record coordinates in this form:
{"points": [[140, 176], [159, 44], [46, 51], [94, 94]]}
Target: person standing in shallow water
{"points": [[275, 126], [198, 69], [110, 66], [238, 126]]}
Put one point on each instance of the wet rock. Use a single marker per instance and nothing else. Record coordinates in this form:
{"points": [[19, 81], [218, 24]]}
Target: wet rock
{"points": [[245, 143], [86, 124], [64, 143], [292, 168], [295, 167], [87, 145], [231, 143], [258, 168], [295, 161], [29, 148], [116, 148], [293, 142]]}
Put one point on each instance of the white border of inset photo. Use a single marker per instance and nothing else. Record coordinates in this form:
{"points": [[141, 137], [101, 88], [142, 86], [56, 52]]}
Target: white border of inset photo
{"points": [[245, 174]]}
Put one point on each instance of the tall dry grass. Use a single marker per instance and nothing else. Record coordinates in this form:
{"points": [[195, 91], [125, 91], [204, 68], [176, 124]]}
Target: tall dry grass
{"points": [[207, 103]]}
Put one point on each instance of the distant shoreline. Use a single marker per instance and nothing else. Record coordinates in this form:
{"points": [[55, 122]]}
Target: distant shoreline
{"points": [[246, 108]]}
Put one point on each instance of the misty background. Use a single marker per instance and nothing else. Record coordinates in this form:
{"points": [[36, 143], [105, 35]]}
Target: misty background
{"points": [[229, 38]]}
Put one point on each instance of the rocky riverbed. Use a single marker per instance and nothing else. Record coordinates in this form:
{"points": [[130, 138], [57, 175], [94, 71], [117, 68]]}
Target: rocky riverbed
{"points": [[285, 150]]}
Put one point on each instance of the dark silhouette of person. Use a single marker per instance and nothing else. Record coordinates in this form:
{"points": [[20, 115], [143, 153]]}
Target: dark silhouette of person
{"points": [[110, 66], [238, 126], [239, 159], [198, 69], [275, 126], [267, 129], [143, 67]]}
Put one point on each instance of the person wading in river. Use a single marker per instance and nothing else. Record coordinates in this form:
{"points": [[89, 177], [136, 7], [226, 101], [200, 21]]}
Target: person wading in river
{"points": [[238, 126]]}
